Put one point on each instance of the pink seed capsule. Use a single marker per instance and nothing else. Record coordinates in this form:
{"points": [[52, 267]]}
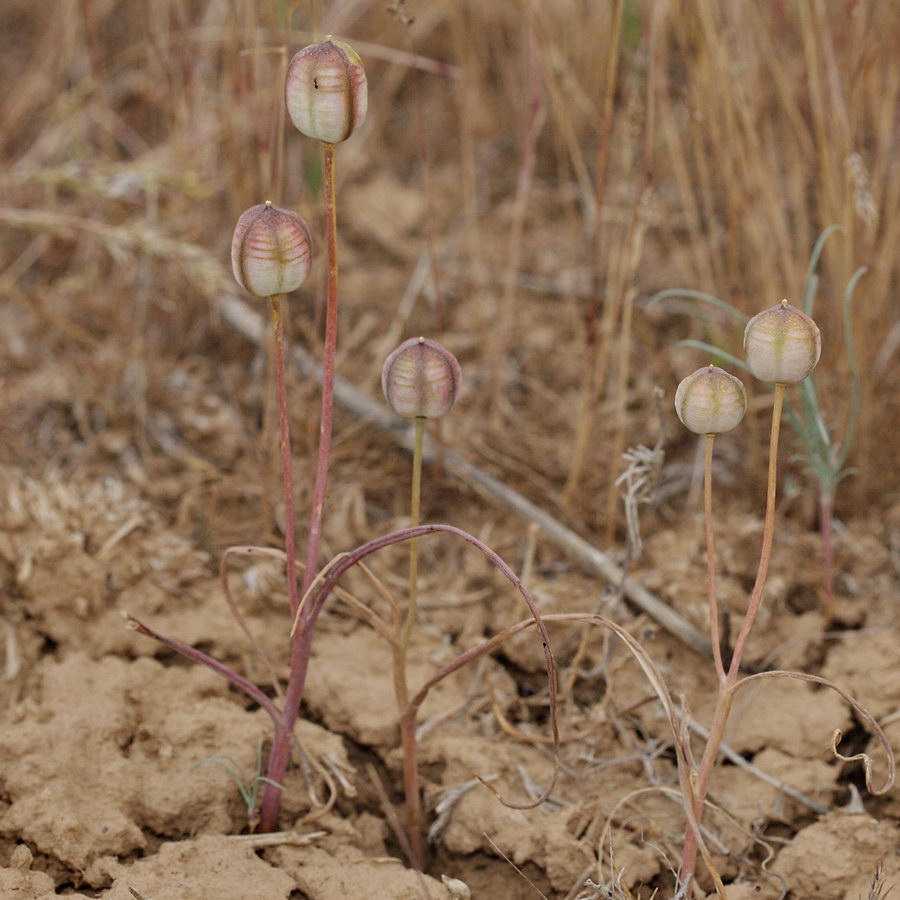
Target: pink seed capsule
{"points": [[710, 401], [421, 378], [270, 250], [326, 91], [782, 344]]}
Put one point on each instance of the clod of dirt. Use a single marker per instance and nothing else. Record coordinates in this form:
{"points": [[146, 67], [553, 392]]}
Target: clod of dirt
{"points": [[95, 758], [322, 875], [211, 867], [540, 836], [835, 859], [748, 800], [874, 683], [18, 882], [351, 686], [800, 724]]}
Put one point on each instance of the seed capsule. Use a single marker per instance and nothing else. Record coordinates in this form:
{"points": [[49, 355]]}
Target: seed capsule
{"points": [[782, 344], [326, 91], [421, 378], [710, 401], [270, 250]]}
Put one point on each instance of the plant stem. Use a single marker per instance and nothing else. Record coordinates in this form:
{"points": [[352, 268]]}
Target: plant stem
{"points": [[729, 679], [414, 516], [301, 642], [768, 538], [192, 653], [826, 520], [313, 606], [401, 686], [714, 636], [287, 474], [411, 786], [324, 452]]}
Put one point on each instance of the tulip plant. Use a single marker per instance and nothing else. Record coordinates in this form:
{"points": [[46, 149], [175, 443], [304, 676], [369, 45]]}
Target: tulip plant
{"points": [[326, 99], [781, 345]]}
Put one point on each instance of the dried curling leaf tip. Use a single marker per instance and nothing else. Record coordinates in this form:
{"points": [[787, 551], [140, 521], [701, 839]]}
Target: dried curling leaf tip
{"points": [[326, 91], [270, 250], [421, 378], [710, 401], [782, 344]]}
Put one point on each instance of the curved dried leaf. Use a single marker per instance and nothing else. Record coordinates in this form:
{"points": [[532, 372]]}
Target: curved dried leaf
{"points": [[867, 718]]}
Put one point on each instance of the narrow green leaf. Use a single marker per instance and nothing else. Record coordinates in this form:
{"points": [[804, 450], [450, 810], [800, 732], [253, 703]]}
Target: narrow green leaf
{"points": [[715, 351], [702, 296]]}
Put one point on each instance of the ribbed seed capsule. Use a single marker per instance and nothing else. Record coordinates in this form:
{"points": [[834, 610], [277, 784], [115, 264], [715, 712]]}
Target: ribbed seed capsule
{"points": [[270, 250], [421, 378], [710, 401], [326, 91], [782, 344]]}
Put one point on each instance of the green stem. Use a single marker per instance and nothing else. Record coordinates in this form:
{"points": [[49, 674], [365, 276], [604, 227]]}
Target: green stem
{"points": [[414, 515], [401, 686]]}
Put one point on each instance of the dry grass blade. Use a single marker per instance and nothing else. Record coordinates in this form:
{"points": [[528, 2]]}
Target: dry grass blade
{"points": [[518, 871]]}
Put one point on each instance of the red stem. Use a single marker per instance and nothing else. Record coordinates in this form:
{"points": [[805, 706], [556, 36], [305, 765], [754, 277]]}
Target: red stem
{"points": [[320, 486], [765, 555], [192, 653], [301, 641], [287, 474], [411, 789], [726, 684]]}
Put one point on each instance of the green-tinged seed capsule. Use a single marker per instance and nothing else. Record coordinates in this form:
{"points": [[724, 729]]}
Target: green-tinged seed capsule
{"points": [[326, 91], [270, 250], [421, 378], [782, 344], [710, 401]]}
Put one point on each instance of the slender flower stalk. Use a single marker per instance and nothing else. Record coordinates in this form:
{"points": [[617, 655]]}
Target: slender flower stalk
{"points": [[327, 97], [404, 630], [715, 637], [414, 519], [782, 345], [421, 379], [768, 537], [301, 644], [323, 455], [728, 679], [270, 255], [401, 686], [287, 472]]}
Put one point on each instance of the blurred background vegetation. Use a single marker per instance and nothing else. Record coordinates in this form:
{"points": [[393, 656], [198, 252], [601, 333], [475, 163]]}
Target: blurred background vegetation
{"points": [[529, 174]]}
